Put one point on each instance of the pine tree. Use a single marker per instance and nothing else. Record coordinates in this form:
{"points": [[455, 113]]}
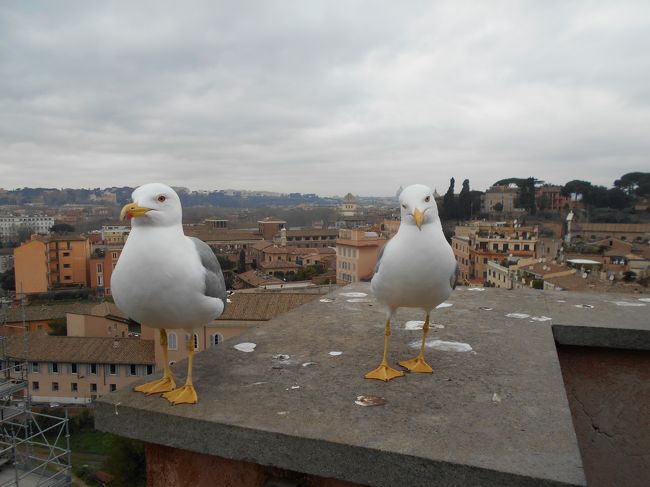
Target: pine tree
{"points": [[449, 202], [465, 202]]}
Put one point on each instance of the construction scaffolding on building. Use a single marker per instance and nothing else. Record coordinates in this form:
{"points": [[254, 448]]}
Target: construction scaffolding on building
{"points": [[34, 447]]}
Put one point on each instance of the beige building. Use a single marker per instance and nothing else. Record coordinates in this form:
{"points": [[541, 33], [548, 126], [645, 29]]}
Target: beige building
{"points": [[496, 197], [76, 370], [356, 254], [630, 232]]}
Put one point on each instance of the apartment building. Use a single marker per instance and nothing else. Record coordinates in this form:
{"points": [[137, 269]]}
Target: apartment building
{"points": [[115, 235], [76, 370], [11, 225], [47, 263], [102, 263], [478, 243], [356, 254], [499, 199]]}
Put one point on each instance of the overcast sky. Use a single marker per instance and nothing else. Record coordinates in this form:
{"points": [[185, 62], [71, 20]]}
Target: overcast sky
{"points": [[324, 97]]}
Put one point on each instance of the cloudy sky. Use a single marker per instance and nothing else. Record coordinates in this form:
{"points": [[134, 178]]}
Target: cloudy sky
{"points": [[324, 97]]}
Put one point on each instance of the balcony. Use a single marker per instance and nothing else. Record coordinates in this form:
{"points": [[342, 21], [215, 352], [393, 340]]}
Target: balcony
{"points": [[496, 415]]}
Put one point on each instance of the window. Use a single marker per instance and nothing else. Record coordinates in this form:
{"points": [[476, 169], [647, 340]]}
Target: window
{"points": [[112, 369], [133, 370], [74, 387], [526, 247], [66, 254], [35, 367], [35, 386], [67, 266], [54, 368], [485, 260], [216, 339], [55, 386], [196, 342], [93, 387], [149, 369], [100, 268], [74, 368], [100, 280], [114, 255], [67, 278], [92, 369], [172, 343], [113, 387]]}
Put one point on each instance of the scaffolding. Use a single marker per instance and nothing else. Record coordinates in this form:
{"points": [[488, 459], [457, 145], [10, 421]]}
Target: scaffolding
{"points": [[34, 447]]}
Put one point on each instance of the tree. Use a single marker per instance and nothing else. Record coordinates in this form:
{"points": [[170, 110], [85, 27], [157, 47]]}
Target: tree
{"points": [[126, 462], [58, 327], [241, 265], [527, 195], [464, 202], [449, 202], [61, 228], [634, 184], [225, 262], [8, 280], [577, 187]]}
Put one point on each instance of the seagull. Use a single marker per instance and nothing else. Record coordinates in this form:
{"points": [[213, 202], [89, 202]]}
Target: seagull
{"points": [[415, 269], [164, 279]]}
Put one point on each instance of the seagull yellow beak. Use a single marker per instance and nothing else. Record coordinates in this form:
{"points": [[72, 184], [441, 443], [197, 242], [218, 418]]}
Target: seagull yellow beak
{"points": [[132, 210], [418, 216]]}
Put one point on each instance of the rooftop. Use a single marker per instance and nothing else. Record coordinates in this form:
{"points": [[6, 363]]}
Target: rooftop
{"points": [[44, 312], [495, 414], [46, 348]]}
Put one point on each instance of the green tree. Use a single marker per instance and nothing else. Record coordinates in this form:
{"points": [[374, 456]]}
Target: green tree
{"points": [[225, 262], [8, 280], [58, 327], [241, 265], [449, 202], [126, 462], [465, 202], [62, 228]]}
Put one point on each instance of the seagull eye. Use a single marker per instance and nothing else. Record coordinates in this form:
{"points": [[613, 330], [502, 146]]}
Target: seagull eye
{"points": [[162, 198], [427, 199]]}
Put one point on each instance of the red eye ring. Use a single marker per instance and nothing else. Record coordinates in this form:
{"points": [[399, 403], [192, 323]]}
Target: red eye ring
{"points": [[161, 198]]}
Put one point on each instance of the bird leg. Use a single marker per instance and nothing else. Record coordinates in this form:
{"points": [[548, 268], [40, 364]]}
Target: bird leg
{"points": [[418, 364], [166, 383], [384, 372], [187, 393]]}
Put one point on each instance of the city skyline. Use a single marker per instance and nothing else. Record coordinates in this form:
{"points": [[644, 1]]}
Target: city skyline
{"points": [[306, 97]]}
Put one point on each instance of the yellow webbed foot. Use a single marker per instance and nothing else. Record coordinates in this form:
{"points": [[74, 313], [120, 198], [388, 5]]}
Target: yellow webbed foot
{"points": [[384, 372], [418, 364], [165, 384], [182, 395]]}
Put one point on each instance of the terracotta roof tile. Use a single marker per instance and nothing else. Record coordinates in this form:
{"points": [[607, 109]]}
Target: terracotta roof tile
{"points": [[46, 348]]}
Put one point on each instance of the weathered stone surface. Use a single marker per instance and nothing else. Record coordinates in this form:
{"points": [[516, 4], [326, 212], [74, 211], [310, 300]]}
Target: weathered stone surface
{"points": [[497, 415], [609, 395]]}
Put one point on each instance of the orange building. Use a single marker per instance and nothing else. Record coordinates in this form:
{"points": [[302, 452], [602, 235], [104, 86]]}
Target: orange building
{"points": [[47, 263], [356, 254], [101, 266]]}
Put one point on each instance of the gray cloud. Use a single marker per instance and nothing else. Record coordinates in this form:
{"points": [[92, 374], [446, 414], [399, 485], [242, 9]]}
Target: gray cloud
{"points": [[322, 96]]}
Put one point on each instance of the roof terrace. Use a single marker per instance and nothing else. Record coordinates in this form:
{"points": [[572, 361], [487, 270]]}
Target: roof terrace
{"points": [[494, 412]]}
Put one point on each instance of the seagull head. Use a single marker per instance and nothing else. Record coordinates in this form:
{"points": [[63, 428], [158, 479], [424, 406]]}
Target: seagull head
{"points": [[154, 204], [418, 206]]}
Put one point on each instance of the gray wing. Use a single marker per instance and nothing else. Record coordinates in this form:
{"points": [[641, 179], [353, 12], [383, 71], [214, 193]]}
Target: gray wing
{"points": [[215, 285], [379, 256], [453, 280]]}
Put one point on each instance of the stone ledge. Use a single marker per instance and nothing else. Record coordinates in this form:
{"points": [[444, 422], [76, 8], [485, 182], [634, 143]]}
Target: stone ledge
{"points": [[497, 415]]}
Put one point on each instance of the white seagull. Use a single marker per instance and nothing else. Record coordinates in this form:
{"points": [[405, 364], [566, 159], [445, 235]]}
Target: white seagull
{"points": [[415, 269], [164, 279]]}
